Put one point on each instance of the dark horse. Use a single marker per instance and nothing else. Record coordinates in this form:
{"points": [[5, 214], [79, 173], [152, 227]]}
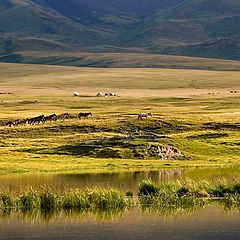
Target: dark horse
{"points": [[17, 122], [84, 115], [21, 122], [12, 123], [62, 116], [38, 119], [50, 118]]}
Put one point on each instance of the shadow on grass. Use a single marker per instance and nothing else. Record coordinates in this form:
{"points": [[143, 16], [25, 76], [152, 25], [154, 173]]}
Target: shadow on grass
{"points": [[138, 147]]}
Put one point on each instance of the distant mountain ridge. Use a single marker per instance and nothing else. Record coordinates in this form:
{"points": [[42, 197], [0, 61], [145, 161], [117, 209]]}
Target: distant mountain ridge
{"points": [[199, 28], [190, 9]]}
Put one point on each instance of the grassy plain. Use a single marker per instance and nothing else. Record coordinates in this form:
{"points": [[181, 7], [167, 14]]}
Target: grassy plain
{"points": [[116, 58], [194, 112]]}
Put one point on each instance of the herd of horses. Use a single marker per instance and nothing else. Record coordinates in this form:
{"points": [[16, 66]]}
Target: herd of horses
{"points": [[63, 116], [38, 119]]}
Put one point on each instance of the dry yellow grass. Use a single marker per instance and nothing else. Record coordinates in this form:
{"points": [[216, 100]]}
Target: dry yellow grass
{"points": [[179, 98]]}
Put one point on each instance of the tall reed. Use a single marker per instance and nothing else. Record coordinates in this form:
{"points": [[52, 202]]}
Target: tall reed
{"points": [[170, 196]]}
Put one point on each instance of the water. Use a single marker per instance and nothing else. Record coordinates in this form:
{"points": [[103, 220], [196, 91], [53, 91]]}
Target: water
{"points": [[121, 180], [211, 223]]}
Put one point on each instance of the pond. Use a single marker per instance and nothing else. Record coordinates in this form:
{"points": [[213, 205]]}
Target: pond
{"points": [[120, 180], [211, 223]]}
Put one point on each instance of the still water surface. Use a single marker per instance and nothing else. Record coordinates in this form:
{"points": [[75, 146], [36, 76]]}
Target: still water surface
{"points": [[120, 180], [210, 223]]}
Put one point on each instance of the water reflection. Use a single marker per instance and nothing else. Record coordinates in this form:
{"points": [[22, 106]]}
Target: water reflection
{"points": [[50, 215], [206, 221], [210, 223], [54, 214], [120, 180]]}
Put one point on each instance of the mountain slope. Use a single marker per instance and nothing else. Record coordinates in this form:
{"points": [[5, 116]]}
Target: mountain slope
{"points": [[158, 33], [26, 18], [221, 49], [82, 8], [189, 28], [83, 22], [203, 8], [201, 28]]}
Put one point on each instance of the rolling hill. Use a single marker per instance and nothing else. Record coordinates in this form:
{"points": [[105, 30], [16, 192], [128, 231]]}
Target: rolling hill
{"points": [[202, 28], [78, 22], [190, 9], [198, 28], [221, 49]]}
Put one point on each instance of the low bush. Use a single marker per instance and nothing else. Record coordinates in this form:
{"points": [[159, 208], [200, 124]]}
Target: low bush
{"points": [[148, 188]]}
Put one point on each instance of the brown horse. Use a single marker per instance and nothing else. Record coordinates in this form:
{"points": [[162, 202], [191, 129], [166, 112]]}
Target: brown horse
{"points": [[51, 118], [12, 123], [62, 116], [84, 115], [37, 119], [21, 122], [144, 115]]}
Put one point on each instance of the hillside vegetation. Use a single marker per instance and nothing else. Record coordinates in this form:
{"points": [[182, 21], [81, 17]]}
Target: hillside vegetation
{"points": [[195, 118], [198, 28], [194, 28], [118, 58]]}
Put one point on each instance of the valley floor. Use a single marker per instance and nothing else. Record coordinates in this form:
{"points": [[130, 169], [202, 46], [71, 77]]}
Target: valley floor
{"points": [[195, 119]]}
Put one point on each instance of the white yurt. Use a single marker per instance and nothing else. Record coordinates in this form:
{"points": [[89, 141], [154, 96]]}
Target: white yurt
{"points": [[75, 94], [99, 94]]}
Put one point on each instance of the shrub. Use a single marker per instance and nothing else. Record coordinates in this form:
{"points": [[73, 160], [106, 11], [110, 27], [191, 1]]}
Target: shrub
{"points": [[147, 187]]}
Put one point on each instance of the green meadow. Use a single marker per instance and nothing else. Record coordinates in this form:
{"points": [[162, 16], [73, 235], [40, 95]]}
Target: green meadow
{"points": [[195, 117]]}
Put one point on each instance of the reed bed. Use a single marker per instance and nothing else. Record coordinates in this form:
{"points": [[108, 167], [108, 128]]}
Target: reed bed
{"points": [[187, 187], [188, 194], [49, 200], [169, 197]]}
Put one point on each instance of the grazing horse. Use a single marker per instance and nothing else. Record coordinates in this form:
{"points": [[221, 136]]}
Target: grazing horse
{"points": [[62, 116], [21, 122], [144, 115], [38, 119], [84, 115], [50, 118], [12, 123]]}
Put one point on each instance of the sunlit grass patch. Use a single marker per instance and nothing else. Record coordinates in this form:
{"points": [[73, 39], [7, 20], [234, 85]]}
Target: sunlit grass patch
{"points": [[203, 128]]}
